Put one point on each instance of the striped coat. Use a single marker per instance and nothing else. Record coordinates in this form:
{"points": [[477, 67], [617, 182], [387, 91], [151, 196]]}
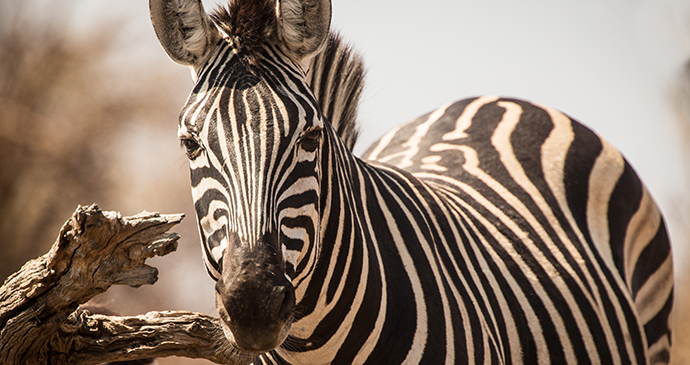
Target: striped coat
{"points": [[489, 231]]}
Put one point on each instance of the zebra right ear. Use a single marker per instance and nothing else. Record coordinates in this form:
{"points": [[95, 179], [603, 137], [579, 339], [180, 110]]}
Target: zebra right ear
{"points": [[184, 29], [303, 25]]}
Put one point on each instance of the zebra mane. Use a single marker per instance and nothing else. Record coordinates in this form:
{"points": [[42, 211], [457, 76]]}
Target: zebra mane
{"points": [[249, 24], [336, 76]]}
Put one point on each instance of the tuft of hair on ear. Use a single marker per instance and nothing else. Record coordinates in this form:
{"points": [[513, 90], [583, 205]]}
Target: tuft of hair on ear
{"points": [[249, 24]]}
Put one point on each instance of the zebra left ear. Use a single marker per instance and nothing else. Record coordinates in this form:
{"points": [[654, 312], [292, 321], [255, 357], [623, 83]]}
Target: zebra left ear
{"points": [[303, 25], [184, 29]]}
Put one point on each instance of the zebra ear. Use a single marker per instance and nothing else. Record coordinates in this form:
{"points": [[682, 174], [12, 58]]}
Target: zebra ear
{"points": [[303, 25], [184, 29]]}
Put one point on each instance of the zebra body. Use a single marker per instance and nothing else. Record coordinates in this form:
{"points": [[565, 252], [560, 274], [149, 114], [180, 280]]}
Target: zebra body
{"points": [[537, 195], [491, 230]]}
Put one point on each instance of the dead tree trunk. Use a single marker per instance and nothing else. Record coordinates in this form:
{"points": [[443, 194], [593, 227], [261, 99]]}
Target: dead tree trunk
{"points": [[40, 319]]}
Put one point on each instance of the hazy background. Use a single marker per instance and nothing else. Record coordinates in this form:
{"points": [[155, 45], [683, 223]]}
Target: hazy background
{"points": [[89, 104]]}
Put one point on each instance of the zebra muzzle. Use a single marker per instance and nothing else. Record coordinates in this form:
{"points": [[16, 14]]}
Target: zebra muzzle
{"points": [[255, 299]]}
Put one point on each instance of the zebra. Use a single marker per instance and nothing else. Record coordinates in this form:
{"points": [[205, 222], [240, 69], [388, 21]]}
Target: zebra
{"points": [[491, 230]]}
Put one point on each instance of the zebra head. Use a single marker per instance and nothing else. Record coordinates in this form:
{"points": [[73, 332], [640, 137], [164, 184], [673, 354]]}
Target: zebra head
{"points": [[252, 131]]}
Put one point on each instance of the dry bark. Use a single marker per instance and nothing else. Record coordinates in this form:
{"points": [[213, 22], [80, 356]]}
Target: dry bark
{"points": [[40, 318]]}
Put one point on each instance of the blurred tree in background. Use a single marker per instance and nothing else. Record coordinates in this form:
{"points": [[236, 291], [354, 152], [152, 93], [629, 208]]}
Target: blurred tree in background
{"points": [[88, 112], [680, 98], [61, 108], [681, 105], [54, 114]]}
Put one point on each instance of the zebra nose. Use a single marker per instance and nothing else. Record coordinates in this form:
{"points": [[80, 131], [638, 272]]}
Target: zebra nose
{"points": [[258, 323], [256, 302]]}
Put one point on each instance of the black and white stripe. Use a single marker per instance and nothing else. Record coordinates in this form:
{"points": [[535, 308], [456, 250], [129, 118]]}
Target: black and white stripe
{"points": [[560, 210], [491, 230]]}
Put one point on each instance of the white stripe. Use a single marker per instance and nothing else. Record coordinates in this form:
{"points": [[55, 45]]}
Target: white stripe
{"points": [[606, 171], [653, 295], [642, 228], [465, 119], [411, 146]]}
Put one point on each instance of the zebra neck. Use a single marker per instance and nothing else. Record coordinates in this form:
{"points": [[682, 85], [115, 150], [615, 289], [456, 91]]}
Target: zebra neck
{"points": [[345, 286]]}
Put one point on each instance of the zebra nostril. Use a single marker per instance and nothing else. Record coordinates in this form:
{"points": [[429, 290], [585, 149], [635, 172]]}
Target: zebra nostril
{"points": [[288, 303]]}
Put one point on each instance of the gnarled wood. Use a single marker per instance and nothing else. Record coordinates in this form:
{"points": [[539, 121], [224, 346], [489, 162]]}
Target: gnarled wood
{"points": [[94, 339], [40, 319]]}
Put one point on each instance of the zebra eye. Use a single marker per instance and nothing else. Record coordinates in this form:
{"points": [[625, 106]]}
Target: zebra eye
{"points": [[310, 139], [192, 147]]}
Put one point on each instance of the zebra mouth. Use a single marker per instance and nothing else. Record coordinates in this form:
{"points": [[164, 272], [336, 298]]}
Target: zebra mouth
{"points": [[264, 334], [227, 350]]}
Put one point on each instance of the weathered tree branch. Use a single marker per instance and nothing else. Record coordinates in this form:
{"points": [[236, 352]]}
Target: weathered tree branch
{"points": [[98, 338], [40, 319]]}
